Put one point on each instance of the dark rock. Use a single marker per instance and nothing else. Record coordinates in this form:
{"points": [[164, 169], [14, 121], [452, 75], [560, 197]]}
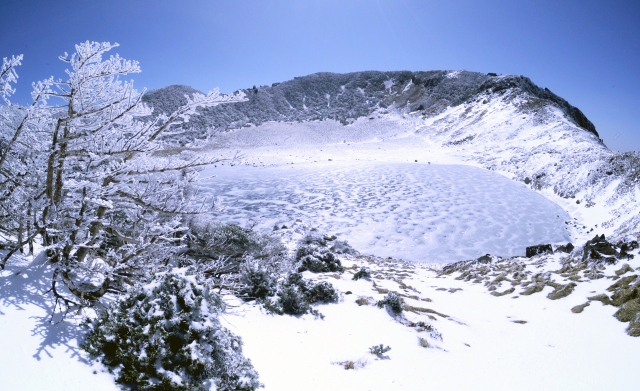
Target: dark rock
{"points": [[527, 180], [539, 249], [484, 259], [492, 74], [600, 250], [566, 248]]}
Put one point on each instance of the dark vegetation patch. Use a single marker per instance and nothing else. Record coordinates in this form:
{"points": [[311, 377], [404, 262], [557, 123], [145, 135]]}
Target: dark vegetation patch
{"points": [[313, 254], [166, 331], [296, 295], [392, 302], [362, 273]]}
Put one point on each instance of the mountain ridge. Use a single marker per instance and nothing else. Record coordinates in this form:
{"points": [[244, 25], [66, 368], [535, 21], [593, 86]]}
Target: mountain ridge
{"points": [[346, 97]]}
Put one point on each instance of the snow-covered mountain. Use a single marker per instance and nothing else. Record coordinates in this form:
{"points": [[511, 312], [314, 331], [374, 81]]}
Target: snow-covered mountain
{"points": [[502, 123], [345, 97]]}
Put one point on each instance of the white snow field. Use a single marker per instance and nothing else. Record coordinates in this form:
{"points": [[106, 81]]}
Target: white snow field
{"points": [[411, 211], [513, 342], [38, 352]]}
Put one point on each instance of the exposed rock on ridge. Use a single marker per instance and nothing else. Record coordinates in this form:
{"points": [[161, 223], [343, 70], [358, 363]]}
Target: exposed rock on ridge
{"points": [[345, 97]]}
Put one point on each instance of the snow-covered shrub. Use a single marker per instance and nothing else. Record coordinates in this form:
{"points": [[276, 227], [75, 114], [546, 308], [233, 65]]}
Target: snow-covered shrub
{"points": [[317, 259], [342, 247], [258, 281], [322, 292], [234, 258], [362, 273], [393, 302], [296, 294], [167, 336], [292, 301], [209, 239], [379, 350]]}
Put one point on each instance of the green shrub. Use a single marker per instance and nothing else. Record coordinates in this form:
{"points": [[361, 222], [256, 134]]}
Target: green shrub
{"points": [[317, 259], [379, 350], [257, 280], [393, 302], [322, 292], [167, 336], [293, 302], [296, 295], [362, 273]]}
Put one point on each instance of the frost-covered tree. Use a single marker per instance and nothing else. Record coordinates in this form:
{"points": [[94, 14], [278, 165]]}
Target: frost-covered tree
{"points": [[22, 140], [101, 189], [8, 75]]}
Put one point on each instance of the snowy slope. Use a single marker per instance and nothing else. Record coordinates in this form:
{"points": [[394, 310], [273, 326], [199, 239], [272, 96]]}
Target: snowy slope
{"points": [[513, 341]]}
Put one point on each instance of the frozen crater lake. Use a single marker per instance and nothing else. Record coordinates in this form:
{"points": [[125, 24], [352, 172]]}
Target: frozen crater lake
{"points": [[416, 212]]}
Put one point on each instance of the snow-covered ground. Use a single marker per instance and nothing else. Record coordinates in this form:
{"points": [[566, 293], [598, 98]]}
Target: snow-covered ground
{"points": [[37, 352], [527, 342], [418, 212], [488, 343]]}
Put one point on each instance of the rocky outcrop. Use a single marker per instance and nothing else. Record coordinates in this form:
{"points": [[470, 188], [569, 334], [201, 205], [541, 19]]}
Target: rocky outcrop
{"points": [[599, 250], [532, 251]]}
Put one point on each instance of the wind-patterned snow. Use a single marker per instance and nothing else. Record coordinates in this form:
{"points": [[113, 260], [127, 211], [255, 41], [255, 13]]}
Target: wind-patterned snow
{"points": [[416, 212]]}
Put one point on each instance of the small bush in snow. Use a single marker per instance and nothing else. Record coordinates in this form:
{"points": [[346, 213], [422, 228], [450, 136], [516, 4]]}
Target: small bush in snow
{"points": [[167, 336], [342, 247], [322, 292], [379, 350], [393, 302], [317, 260], [291, 301], [257, 280], [297, 294], [208, 239], [362, 273]]}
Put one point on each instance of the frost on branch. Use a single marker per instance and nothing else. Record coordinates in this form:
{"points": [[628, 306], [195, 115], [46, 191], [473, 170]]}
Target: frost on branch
{"points": [[167, 336], [87, 178], [8, 75]]}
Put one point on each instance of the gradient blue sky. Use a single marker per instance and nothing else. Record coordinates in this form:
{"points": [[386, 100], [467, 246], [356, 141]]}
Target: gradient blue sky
{"points": [[588, 52]]}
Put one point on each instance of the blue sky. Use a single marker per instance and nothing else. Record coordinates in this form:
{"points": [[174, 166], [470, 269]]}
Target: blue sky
{"points": [[588, 52]]}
